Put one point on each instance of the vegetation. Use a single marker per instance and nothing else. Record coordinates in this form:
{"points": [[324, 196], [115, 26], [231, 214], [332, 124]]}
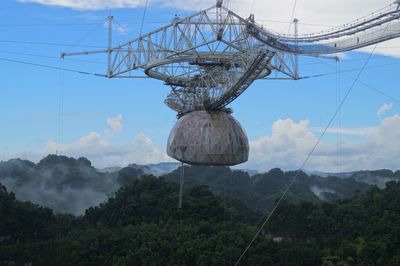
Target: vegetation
{"points": [[141, 225], [260, 191], [68, 185], [61, 183]]}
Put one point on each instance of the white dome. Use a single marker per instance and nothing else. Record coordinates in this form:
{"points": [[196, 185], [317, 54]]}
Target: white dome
{"points": [[208, 138]]}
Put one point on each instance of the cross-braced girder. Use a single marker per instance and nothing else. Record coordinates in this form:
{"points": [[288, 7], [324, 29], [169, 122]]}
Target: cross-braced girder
{"points": [[213, 56]]}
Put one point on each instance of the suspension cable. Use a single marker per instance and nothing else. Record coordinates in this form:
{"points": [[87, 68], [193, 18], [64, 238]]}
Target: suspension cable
{"points": [[181, 182], [74, 45], [50, 57], [338, 120], [292, 15], [308, 156], [50, 43], [51, 67], [360, 81], [61, 105], [143, 17], [348, 70]]}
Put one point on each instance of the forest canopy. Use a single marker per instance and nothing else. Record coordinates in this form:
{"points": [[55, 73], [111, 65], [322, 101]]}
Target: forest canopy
{"points": [[141, 225]]}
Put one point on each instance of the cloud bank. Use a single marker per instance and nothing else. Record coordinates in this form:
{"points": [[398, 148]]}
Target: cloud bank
{"points": [[286, 147], [100, 149], [289, 144], [88, 4]]}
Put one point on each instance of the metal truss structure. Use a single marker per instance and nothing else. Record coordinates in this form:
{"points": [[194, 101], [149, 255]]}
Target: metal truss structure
{"points": [[210, 58]]}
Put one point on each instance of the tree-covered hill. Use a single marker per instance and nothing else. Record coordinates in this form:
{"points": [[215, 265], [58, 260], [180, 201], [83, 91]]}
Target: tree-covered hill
{"points": [[364, 230], [141, 225], [69, 185], [64, 184], [260, 191], [23, 221]]}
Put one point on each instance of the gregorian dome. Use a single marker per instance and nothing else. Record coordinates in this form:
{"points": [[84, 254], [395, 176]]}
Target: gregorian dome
{"points": [[208, 138]]}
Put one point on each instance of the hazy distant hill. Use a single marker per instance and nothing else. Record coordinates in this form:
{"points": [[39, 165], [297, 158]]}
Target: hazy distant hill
{"points": [[73, 185], [375, 177], [157, 169], [260, 191], [61, 183]]}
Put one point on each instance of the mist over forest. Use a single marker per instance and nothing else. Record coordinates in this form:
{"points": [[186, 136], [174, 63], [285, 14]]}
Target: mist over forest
{"points": [[140, 224], [69, 185]]}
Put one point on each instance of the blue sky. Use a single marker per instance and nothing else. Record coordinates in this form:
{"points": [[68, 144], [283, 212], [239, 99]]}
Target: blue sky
{"points": [[116, 122]]}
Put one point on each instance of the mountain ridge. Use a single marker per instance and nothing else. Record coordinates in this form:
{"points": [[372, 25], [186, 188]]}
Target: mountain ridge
{"points": [[72, 185]]}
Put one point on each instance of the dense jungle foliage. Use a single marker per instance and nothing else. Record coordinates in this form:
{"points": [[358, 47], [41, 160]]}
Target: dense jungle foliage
{"points": [[141, 225]]}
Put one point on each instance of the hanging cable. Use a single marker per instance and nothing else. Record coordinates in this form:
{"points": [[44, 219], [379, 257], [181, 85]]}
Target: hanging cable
{"points": [[348, 70], [378, 91], [66, 69], [50, 43], [45, 25], [292, 15], [87, 35], [337, 119], [224, 202], [361, 59], [143, 17], [308, 156], [61, 105], [50, 57], [181, 186], [51, 67], [360, 81], [293, 11]]}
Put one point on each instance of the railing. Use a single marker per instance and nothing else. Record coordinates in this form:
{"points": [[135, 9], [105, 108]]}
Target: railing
{"points": [[377, 18]]}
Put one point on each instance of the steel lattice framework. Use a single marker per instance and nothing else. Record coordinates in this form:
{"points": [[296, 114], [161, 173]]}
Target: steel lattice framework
{"points": [[210, 58]]}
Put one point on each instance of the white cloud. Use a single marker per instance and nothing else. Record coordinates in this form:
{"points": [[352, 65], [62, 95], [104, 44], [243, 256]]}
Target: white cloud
{"points": [[290, 142], [384, 108], [195, 5], [88, 4], [115, 124], [286, 147], [111, 4], [102, 153], [100, 150], [361, 132]]}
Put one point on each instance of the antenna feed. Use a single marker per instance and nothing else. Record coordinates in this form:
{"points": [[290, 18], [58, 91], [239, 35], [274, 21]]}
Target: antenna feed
{"points": [[219, 3]]}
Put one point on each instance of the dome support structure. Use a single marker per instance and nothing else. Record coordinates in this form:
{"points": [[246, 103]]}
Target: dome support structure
{"points": [[211, 57]]}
